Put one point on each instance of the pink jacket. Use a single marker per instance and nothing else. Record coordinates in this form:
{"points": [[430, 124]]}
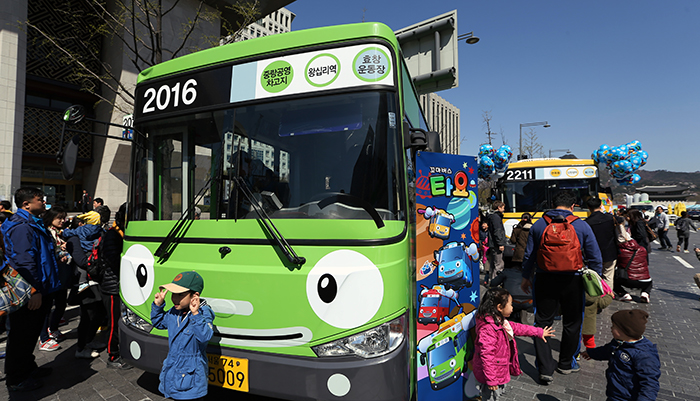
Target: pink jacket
{"points": [[496, 358]]}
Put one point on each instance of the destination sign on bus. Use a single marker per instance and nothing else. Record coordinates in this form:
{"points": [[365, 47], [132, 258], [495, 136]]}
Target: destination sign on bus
{"points": [[313, 71], [551, 173]]}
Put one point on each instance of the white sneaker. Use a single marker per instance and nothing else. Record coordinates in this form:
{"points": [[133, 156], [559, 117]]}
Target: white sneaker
{"points": [[686, 251], [48, 345], [626, 298], [87, 353], [645, 297]]}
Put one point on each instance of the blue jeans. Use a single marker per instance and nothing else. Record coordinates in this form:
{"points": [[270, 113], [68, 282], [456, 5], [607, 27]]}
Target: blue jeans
{"points": [[663, 238]]}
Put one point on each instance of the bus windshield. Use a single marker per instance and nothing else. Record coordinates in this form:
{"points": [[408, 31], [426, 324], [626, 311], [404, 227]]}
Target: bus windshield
{"points": [[536, 196], [292, 155]]}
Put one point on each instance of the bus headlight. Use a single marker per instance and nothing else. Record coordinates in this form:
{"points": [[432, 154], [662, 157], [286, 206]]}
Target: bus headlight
{"points": [[133, 320], [371, 343]]}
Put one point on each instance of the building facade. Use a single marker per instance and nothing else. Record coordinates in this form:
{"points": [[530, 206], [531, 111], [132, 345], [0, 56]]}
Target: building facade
{"points": [[442, 117], [279, 21], [37, 85]]}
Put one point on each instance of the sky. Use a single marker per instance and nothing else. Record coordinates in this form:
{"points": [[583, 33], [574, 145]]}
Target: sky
{"points": [[599, 72]]}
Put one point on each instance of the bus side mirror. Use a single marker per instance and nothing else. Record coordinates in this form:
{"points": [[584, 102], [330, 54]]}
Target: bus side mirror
{"points": [[69, 158], [420, 139]]}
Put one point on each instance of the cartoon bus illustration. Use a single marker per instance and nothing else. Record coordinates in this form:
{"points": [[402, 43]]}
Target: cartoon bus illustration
{"points": [[435, 304], [444, 352], [440, 222], [453, 269]]}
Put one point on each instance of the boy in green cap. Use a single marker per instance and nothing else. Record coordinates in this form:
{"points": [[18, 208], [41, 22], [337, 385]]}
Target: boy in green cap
{"points": [[189, 325]]}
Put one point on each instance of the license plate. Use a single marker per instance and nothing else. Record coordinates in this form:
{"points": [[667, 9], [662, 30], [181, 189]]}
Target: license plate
{"points": [[228, 372]]}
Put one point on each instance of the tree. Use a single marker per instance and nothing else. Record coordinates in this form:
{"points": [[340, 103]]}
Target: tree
{"points": [[137, 26], [487, 117], [531, 145]]}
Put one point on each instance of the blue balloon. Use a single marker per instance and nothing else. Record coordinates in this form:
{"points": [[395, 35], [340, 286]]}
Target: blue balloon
{"points": [[486, 150], [636, 161], [507, 149], [635, 146], [486, 162]]}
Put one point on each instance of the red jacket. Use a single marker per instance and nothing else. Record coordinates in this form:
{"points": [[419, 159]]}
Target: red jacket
{"points": [[496, 358], [639, 266]]}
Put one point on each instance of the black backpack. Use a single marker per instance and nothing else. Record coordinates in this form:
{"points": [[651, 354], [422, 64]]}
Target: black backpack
{"points": [[97, 263], [682, 225]]}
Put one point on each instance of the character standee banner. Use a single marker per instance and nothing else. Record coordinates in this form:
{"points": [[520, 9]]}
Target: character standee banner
{"points": [[447, 276]]}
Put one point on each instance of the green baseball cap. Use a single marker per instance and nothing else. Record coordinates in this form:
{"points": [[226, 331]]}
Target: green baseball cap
{"points": [[185, 281]]}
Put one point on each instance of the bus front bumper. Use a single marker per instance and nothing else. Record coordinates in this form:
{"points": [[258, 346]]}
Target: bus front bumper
{"points": [[292, 377]]}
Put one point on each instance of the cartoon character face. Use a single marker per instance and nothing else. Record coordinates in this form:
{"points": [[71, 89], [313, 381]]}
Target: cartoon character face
{"points": [[136, 275], [452, 266], [445, 356], [345, 289], [440, 225], [434, 307]]}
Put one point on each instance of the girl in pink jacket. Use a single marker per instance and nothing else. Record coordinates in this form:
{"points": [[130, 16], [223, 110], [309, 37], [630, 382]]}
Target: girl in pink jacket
{"points": [[495, 353]]}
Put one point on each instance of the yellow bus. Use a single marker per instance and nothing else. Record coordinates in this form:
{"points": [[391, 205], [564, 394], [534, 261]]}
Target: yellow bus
{"points": [[529, 186]]}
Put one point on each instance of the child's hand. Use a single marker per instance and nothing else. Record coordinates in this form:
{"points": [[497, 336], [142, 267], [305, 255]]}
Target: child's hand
{"points": [[194, 304], [547, 332], [160, 297], [585, 355]]}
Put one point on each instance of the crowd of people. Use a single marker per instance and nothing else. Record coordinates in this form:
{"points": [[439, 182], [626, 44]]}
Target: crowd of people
{"points": [[54, 254], [544, 276]]}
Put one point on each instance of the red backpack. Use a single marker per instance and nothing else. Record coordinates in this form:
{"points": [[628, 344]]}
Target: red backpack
{"points": [[560, 249]]}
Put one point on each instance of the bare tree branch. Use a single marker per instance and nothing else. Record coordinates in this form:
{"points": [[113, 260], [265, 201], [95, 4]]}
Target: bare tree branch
{"points": [[192, 26], [86, 69]]}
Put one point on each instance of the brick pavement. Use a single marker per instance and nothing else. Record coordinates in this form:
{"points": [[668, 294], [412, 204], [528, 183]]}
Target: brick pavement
{"points": [[674, 310]]}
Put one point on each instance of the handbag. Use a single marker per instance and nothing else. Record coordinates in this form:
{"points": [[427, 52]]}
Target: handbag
{"points": [[651, 234], [592, 283], [15, 291]]}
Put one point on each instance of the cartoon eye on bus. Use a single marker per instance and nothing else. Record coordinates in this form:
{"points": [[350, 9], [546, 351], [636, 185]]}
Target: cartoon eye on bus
{"points": [[453, 269], [435, 304], [444, 352], [440, 222]]}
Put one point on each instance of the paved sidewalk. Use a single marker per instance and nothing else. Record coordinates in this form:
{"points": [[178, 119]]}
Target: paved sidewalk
{"points": [[673, 325], [674, 309]]}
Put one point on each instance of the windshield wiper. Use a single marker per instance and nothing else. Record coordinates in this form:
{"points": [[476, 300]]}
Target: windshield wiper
{"points": [[267, 222], [167, 247]]}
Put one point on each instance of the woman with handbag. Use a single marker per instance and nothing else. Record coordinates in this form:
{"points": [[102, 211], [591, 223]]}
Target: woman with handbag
{"points": [[632, 265]]}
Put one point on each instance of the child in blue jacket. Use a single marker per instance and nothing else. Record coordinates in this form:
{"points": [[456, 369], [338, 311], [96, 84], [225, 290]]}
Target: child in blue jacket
{"points": [[189, 325], [633, 361]]}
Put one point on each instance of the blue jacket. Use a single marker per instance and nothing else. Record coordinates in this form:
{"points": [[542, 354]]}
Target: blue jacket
{"points": [[87, 234], [589, 245], [184, 373], [633, 369], [29, 249]]}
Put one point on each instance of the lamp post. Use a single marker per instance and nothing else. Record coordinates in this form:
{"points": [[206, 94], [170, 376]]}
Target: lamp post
{"points": [[469, 38], [542, 123]]}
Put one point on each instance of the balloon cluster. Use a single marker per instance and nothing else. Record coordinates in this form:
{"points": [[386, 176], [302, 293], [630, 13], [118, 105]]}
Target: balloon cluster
{"points": [[622, 161], [493, 162]]}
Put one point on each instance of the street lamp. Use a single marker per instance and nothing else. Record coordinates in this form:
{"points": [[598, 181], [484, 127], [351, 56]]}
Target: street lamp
{"points": [[468, 37], [542, 123]]}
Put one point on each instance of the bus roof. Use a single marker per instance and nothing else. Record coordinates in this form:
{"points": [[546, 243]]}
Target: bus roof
{"points": [[551, 162], [269, 44]]}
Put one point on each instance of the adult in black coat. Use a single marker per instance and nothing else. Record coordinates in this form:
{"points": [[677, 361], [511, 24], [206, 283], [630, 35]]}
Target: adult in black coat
{"points": [[497, 238], [113, 243], [90, 300], [603, 226]]}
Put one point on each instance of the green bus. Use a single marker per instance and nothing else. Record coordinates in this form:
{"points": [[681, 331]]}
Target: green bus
{"points": [[278, 168]]}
